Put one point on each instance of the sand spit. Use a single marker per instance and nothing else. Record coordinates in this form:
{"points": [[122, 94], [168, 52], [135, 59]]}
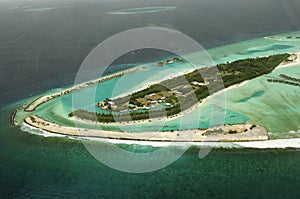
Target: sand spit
{"points": [[43, 99], [225, 133]]}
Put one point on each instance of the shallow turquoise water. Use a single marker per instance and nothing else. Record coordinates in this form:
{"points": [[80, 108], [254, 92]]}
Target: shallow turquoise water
{"points": [[257, 94], [278, 105], [39, 167], [235, 111], [47, 47]]}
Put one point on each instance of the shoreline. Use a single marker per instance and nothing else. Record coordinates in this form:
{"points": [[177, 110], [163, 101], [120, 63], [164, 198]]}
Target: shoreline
{"points": [[187, 111], [293, 143], [176, 136], [12, 117], [253, 133], [156, 81], [43, 99], [295, 60]]}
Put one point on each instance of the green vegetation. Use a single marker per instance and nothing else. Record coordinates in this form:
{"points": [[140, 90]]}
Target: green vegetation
{"points": [[32, 119], [232, 132], [152, 89], [239, 71], [182, 92], [118, 117], [169, 61], [214, 131], [253, 126]]}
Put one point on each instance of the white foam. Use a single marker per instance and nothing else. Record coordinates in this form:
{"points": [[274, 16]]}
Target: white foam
{"points": [[37, 131], [269, 144], [272, 144]]}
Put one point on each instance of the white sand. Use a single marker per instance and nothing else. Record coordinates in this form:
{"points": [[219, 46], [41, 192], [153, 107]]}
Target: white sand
{"points": [[268, 144], [256, 134], [189, 135], [295, 61]]}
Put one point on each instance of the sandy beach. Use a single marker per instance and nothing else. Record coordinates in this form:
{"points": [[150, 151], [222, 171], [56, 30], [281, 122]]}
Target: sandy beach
{"points": [[291, 143], [295, 60], [273, 38], [257, 134], [244, 132], [160, 119], [142, 87]]}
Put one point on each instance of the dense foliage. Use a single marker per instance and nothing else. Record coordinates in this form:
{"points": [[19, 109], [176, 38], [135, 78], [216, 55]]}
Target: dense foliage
{"points": [[231, 73]]}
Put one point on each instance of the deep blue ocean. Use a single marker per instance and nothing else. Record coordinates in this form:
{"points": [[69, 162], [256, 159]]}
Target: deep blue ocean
{"points": [[43, 43]]}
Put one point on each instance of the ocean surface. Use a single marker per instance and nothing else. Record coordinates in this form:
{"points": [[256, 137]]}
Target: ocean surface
{"points": [[42, 46], [249, 103]]}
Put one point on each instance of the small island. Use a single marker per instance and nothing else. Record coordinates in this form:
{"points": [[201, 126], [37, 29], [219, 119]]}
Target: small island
{"points": [[167, 99], [175, 95], [170, 61]]}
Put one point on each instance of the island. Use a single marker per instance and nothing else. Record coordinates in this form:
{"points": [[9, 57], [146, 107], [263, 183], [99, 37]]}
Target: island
{"points": [[180, 93], [170, 61], [172, 96]]}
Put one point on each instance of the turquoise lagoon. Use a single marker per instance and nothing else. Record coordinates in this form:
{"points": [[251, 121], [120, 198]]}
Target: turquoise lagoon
{"points": [[269, 104]]}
